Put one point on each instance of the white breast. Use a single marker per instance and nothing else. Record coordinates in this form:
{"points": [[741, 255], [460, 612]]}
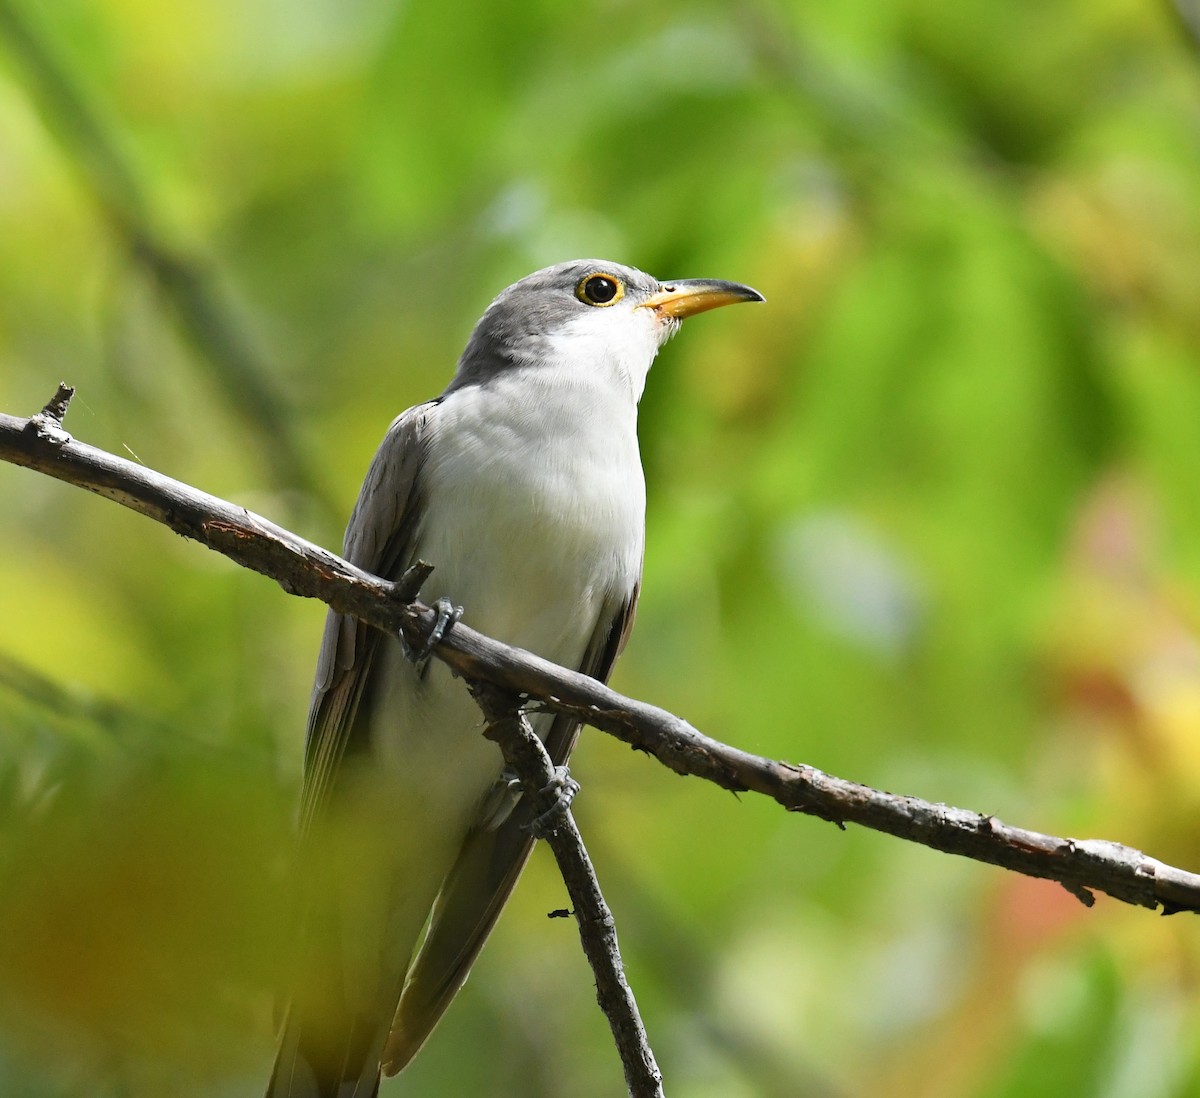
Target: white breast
{"points": [[534, 523], [540, 510]]}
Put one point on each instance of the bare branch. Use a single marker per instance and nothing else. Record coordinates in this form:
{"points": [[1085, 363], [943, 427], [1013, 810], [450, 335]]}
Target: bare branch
{"points": [[527, 757], [302, 568]]}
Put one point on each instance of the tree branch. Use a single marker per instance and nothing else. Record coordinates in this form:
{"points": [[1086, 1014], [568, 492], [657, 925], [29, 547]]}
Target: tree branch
{"points": [[302, 568], [525, 754]]}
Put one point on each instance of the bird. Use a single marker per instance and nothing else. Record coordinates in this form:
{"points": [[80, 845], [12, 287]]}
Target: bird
{"points": [[522, 485]]}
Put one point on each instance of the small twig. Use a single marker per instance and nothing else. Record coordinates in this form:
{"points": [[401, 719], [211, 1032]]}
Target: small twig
{"points": [[303, 568], [56, 407], [527, 757]]}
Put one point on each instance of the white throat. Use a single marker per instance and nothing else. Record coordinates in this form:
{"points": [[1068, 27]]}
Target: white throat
{"points": [[616, 345]]}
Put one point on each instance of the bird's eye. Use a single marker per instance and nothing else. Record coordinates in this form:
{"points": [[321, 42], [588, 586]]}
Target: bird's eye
{"points": [[599, 289]]}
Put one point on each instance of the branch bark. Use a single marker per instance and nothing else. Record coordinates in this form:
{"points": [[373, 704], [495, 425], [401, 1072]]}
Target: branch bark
{"points": [[524, 753], [302, 568]]}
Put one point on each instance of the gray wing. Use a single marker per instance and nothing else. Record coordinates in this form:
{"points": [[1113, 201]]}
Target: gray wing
{"points": [[380, 538], [485, 873], [326, 1045]]}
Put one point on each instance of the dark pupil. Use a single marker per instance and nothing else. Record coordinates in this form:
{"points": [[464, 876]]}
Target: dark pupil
{"points": [[600, 289]]}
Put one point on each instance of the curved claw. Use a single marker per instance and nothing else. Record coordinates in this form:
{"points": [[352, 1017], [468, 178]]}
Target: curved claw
{"points": [[447, 615], [563, 787]]}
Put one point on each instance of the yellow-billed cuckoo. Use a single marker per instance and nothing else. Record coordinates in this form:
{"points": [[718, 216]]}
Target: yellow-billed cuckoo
{"points": [[522, 484]]}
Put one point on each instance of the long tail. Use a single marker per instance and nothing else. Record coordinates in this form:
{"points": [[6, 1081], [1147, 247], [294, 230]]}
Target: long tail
{"points": [[466, 910], [347, 981], [322, 1056]]}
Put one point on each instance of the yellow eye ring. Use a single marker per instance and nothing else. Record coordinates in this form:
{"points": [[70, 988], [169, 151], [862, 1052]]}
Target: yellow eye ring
{"points": [[600, 290]]}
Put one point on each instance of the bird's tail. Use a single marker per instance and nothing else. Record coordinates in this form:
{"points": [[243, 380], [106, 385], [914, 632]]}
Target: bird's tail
{"points": [[322, 1058], [467, 908], [363, 918]]}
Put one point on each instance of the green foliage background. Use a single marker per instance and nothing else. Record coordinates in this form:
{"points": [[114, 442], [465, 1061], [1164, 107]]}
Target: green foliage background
{"points": [[928, 519]]}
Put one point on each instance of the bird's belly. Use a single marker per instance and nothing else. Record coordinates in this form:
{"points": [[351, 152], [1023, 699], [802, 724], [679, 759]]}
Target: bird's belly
{"points": [[542, 531], [534, 549]]}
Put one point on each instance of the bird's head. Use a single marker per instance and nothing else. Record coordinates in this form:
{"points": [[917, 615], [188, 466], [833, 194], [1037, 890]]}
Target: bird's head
{"points": [[588, 314]]}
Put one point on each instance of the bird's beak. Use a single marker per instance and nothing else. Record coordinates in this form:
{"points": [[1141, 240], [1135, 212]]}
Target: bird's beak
{"points": [[697, 295]]}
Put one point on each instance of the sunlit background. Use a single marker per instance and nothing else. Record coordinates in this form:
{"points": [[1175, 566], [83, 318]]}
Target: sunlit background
{"points": [[929, 519]]}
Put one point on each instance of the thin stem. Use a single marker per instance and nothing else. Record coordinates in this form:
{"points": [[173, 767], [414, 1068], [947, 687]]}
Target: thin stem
{"points": [[527, 757]]}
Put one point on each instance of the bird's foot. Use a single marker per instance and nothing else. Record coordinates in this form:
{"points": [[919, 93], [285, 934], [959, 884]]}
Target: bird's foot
{"points": [[563, 788], [447, 616]]}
